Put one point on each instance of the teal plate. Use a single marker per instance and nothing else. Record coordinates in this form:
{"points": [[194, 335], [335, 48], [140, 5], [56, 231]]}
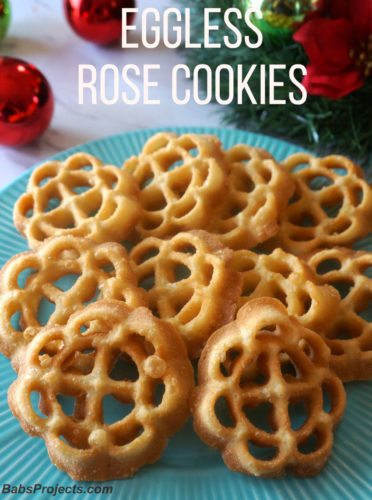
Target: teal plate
{"points": [[188, 469]]}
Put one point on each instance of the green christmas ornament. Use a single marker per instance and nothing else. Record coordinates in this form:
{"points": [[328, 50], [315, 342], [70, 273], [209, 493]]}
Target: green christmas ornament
{"points": [[283, 17], [4, 17]]}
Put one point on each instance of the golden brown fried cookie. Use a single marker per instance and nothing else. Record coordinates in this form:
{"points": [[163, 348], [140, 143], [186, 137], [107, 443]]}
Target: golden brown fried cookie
{"points": [[263, 432], [332, 204], [79, 196], [181, 179], [90, 444], [189, 283], [259, 188], [289, 279], [349, 335], [47, 285]]}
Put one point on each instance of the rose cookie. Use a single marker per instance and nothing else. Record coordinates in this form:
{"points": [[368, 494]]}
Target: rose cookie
{"points": [[178, 188], [45, 286], [277, 419], [349, 335], [189, 283], [134, 355], [259, 189], [79, 196], [332, 204]]}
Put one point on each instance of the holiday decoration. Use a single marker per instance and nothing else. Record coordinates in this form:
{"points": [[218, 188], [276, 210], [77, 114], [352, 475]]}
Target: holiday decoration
{"points": [[99, 21], [334, 43], [4, 17], [26, 102]]}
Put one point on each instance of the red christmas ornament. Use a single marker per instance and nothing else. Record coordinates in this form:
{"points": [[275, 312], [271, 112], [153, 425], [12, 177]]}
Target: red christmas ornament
{"points": [[26, 102], [99, 21]]}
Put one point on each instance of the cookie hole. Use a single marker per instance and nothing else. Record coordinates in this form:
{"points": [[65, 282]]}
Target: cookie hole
{"points": [[279, 294], [366, 270], [109, 178], [342, 226], [302, 234], [264, 453], [81, 188], [15, 321], [153, 200], [207, 274], [223, 412], [109, 269], [181, 272], [152, 222], [234, 208], [147, 176], [92, 297], [52, 204], [327, 266], [184, 208], [277, 266], [343, 287], [45, 311], [297, 413], [305, 220], [364, 306], [232, 357], [115, 409], [319, 182], [44, 180], [66, 282], [170, 161], [124, 368], [260, 416], [92, 209], [287, 367], [147, 347], [67, 404], [149, 254], [243, 182], [79, 442], [189, 312], [194, 151], [35, 400], [88, 167], [147, 282], [181, 300], [79, 362], [332, 209], [338, 168], [306, 303], [357, 196], [159, 393], [63, 219], [327, 400], [25, 275], [336, 348], [295, 197], [185, 247], [127, 435], [265, 173], [179, 185], [309, 445]]}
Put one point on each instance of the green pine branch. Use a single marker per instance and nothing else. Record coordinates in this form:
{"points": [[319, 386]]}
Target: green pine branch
{"points": [[324, 125]]}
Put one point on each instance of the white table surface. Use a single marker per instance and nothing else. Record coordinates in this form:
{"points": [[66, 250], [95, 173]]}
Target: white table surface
{"points": [[40, 34]]}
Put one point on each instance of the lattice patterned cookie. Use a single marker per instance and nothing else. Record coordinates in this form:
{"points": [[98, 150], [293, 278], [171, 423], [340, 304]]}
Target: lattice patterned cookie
{"points": [[277, 419], [178, 189], [286, 277], [80, 196], [259, 188], [135, 355], [189, 283], [45, 286], [349, 335], [332, 204]]}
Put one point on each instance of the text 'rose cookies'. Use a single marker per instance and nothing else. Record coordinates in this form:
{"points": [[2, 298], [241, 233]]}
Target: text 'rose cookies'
{"points": [[332, 204], [80, 196], [262, 395], [349, 334], [140, 366], [189, 283], [64, 274]]}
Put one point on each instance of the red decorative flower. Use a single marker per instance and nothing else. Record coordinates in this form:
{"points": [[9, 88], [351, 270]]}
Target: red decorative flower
{"points": [[339, 49]]}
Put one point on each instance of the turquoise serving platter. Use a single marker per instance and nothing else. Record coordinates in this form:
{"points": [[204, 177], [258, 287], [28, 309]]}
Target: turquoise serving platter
{"points": [[188, 469]]}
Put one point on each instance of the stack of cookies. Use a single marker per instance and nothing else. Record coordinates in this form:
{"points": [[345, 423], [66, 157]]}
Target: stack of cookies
{"points": [[189, 252]]}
